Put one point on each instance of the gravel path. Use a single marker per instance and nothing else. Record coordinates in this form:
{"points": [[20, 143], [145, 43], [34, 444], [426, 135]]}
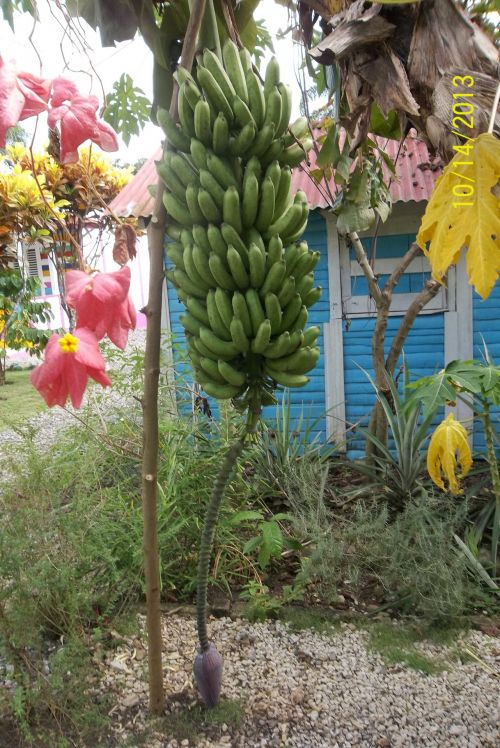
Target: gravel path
{"points": [[310, 690]]}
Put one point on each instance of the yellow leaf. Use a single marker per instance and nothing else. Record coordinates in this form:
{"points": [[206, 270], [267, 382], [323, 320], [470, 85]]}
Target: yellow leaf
{"points": [[448, 228], [448, 449]]}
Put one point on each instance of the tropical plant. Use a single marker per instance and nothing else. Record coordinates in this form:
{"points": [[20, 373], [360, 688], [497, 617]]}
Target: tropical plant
{"points": [[270, 541], [477, 384], [398, 469], [19, 315]]}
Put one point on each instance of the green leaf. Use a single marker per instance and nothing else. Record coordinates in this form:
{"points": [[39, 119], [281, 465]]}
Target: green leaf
{"points": [[127, 108], [330, 151], [244, 516], [272, 538]]}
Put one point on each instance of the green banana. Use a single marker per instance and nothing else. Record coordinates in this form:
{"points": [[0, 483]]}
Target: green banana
{"points": [[174, 253], [301, 320], [234, 69], [202, 125], [231, 211], [283, 193], [273, 312], [257, 266], [216, 242], [255, 309], [290, 313], [182, 280], [279, 347], [262, 141], [274, 172], [198, 310], [190, 323], [186, 114], [313, 296], [214, 93], [287, 291], [221, 391], [274, 251], [214, 65], [250, 202], [200, 259], [273, 153], [238, 336], [211, 367], [240, 144], [221, 170], [183, 169], [209, 207], [192, 203], [170, 180], [173, 231], [216, 322], [174, 134], [252, 236], [237, 269], [299, 362], [262, 337], [219, 272], [230, 374], [287, 221], [242, 113], [231, 237], [220, 139], [286, 108], [285, 378], [176, 209], [211, 185], [256, 101], [224, 307], [274, 278], [198, 153], [305, 284], [240, 311], [221, 348], [311, 335], [192, 271], [266, 205], [273, 110], [186, 238], [272, 76], [296, 131]]}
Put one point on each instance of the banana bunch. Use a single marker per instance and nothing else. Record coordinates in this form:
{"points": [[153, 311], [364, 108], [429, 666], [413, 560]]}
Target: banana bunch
{"points": [[244, 277]]}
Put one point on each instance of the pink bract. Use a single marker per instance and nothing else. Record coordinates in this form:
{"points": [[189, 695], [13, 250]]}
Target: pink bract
{"points": [[102, 303], [22, 95], [65, 374], [78, 122]]}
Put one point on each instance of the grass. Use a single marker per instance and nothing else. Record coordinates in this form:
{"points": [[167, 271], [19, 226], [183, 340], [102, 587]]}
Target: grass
{"points": [[187, 723], [396, 644], [18, 399], [301, 618]]}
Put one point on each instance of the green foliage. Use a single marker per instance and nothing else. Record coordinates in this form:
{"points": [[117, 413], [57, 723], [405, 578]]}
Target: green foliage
{"points": [[186, 723], [127, 108], [19, 315], [398, 471], [19, 400], [269, 541]]}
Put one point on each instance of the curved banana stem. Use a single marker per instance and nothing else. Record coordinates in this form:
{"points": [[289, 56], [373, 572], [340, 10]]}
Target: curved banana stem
{"points": [[210, 523]]}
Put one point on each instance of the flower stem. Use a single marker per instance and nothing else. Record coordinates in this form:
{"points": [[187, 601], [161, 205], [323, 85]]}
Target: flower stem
{"points": [[211, 516]]}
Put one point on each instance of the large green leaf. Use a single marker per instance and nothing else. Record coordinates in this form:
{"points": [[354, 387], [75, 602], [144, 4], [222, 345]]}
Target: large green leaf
{"points": [[127, 108]]}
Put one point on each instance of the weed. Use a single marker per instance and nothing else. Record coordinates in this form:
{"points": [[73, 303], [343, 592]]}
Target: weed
{"points": [[307, 618], [188, 723], [396, 644]]}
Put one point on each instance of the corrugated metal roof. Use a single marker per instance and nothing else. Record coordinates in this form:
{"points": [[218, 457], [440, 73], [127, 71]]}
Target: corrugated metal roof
{"points": [[416, 174], [135, 198]]}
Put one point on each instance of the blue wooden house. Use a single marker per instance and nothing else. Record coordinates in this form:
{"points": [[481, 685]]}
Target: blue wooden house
{"points": [[453, 325]]}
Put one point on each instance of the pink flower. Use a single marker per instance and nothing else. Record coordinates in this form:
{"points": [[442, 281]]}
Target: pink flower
{"points": [[22, 95], [68, 363], [102, 303], [78, 122]]}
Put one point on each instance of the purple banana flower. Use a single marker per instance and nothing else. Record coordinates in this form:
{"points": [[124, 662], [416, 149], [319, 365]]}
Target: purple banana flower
{"points": [[207, 669]]}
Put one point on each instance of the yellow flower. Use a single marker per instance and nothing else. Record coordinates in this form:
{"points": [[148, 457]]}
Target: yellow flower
{"points": [[449, 449]]}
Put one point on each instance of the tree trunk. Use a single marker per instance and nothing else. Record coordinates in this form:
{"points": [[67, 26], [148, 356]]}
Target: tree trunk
{"points": [[156, 239]]}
